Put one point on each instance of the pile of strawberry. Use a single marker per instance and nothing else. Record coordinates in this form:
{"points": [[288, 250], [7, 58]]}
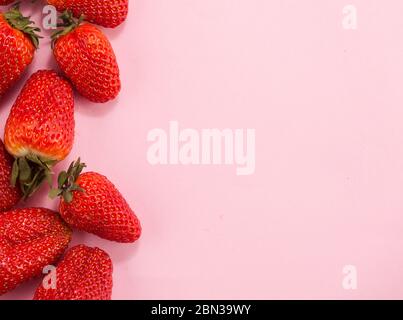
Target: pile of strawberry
{"points": [[39, 133]]}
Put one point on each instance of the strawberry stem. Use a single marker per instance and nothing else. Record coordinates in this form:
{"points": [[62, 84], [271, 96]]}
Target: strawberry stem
{"points": [[30, 172], [67, 182], [68, 23], [15, 18]]}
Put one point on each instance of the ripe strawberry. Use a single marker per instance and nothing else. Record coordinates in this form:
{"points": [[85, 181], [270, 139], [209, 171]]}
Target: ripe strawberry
{"points": [[84, 274], [40, 129], [86, 57], [9, 196], [107, 13], [90, 202], [18, 41], [30, 239]]}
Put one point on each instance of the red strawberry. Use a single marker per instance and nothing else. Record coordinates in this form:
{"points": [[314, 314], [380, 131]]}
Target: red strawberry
{"points": [[30, 239], [90, 202], [86, 57], [18, 41], [107, 13], [84, 274], [40, 129], [9, 196]]}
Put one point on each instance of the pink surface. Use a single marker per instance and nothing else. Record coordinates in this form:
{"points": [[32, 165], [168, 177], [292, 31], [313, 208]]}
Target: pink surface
{"points": [[327, 106]]}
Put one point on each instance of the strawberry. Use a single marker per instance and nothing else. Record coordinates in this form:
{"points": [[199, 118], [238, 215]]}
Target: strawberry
{"points": [[40, 129], [30, 239], [90, 202], [87, 58], [18, 42], [107, 13], [9, 196], [84, 274]]}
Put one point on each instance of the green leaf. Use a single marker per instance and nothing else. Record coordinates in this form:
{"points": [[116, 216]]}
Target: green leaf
{"points": [[70, 168], [24, 24], [66, 181], [48, 162], [34, 184], [33, 158], [15, 173], [62, 179], [54, 193], [48, 176], [68, 196], [30, 172], [25, 169]]}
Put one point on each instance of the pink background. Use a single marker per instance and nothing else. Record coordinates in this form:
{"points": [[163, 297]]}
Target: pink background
{"points": [[327, 106]]}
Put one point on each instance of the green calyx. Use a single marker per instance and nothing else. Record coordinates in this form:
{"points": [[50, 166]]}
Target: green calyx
{"points": [[68, 23], [30, 172], [15, 18], [67, 182]]}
